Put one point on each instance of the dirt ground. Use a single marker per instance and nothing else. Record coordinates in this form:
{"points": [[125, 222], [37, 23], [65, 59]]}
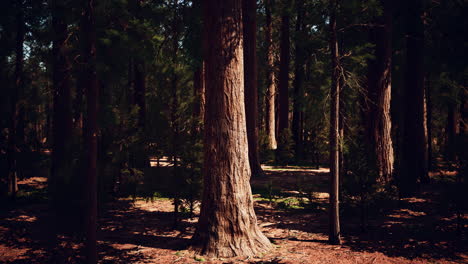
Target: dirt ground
{"points": [[419, 230]]}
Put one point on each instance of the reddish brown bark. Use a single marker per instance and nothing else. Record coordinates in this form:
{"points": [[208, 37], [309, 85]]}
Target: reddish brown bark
{"points": [[249, 9], [379, 93], [270, 117], [334, 223], [228, 224]]}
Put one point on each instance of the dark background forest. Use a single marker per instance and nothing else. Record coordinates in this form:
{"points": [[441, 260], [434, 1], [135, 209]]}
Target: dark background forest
{"points": [[270, 131]]}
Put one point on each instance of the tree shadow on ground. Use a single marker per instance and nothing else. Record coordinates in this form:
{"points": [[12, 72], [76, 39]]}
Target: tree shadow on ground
{"points": [[416, 227]]}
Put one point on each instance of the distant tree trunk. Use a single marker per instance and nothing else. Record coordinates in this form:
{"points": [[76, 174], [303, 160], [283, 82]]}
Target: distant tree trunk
{"points": [[228, 226], [270, 117], [299, 62], [199, 94], [62, 115], [334, 232], [379, 92], [175, 116], [284, 76], [12, 148], [92, 93], [452, 131], [140, 89], [249, 13], [414, 141], [429, 122]]}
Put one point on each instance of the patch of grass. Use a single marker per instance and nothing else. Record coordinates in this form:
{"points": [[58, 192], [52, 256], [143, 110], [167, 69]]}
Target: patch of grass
{"points": [[199, 258]]}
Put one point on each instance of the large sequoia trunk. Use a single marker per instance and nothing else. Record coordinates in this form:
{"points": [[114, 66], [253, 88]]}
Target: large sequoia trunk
{"points": [[62, 115], [249, 12], [228, 225], [334, 212], [91, 129], [414, 139], [379, 92], [270, 117]]}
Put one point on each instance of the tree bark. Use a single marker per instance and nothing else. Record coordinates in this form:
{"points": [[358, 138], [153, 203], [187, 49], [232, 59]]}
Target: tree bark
{"points": [[414, 141], [270, 117], [334, 224], [379, 92], [12, 148], [228, 225], [62, 114], [92, 93], [284, 76], [452, 130], [299, 62], [249, 13]]}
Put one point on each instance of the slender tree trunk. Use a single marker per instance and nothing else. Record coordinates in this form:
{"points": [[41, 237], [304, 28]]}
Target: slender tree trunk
{"points": [[379, 92], [228, 226], [452, 130], [199, 94], [414, 143], [92, 93], [284, 76], [270, 100], [140, 89], [62, 114], [299, 62], [249, 13], [334, 232], [174, 116], [14, 111], [429, 122]]}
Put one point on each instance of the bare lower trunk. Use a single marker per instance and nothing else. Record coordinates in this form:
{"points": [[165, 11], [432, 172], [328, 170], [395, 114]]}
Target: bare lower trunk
{"points": [[284, 76], [249, 8], [334, 223], [379, 92], [13, 137], [270, 112], [91, 127], [414, 143], [299, 62], [62, 120], [228, 225]]}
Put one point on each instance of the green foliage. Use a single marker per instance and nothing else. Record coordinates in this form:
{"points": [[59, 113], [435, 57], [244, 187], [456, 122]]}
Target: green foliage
{"points": [[285, 151]]}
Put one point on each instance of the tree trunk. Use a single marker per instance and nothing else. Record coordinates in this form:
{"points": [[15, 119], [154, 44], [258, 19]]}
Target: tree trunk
{"points": [[334, 228], [270, 117], [62, 114], [284, 76], [92, 93], [379, 92], [429, 121], [249, 13], [12, 148], [228, 224], [199, 94], [452, 131], [175, 118], [414, 147], [299, 62]]}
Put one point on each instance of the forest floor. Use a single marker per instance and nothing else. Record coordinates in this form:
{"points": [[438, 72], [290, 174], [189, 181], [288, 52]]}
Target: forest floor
{"points": [[420, 229]]}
